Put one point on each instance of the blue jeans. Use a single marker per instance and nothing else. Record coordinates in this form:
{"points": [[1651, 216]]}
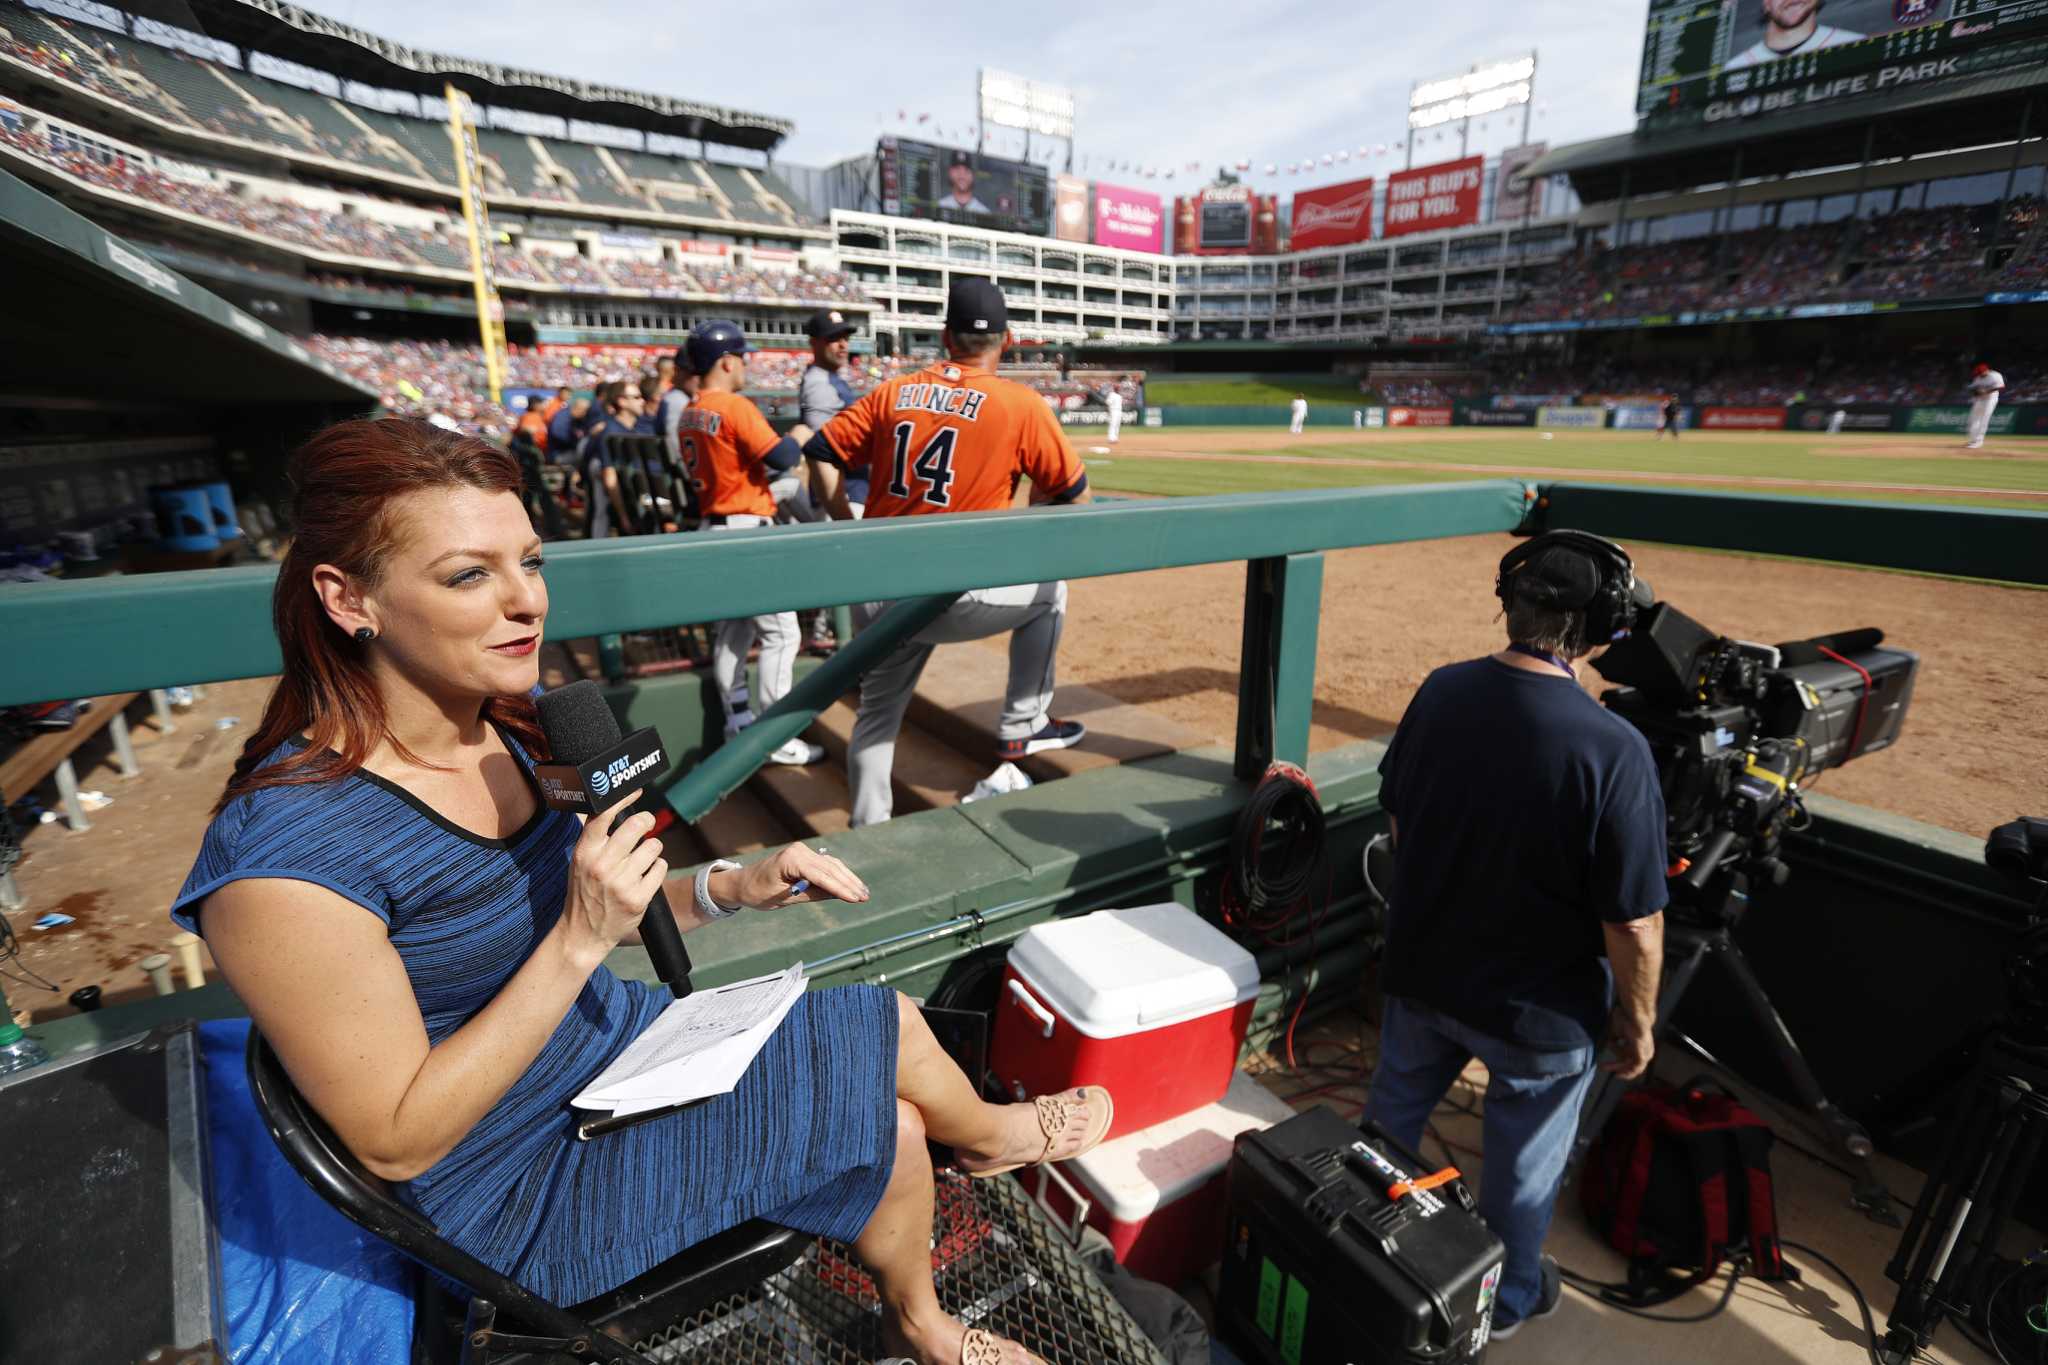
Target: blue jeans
{"points": [[1531, 1116]]}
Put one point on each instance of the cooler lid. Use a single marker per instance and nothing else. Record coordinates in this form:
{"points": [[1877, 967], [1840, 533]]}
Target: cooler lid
{"points": [[1134, 1175], [1122, 971]]}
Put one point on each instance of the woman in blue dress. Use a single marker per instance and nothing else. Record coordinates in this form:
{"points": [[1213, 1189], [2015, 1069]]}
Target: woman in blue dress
{"points": [[422, 940]]}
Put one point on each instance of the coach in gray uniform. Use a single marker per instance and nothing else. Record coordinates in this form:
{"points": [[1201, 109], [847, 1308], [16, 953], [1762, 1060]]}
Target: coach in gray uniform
{"points": [[823, 390]]}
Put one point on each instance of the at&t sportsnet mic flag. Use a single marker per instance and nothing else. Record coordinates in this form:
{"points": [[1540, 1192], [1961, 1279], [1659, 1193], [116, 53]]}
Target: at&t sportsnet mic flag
{"points": [[1333, 214], [1439, 196]]}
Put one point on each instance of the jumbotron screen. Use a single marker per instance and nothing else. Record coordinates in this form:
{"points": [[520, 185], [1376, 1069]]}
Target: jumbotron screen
{"points": [[1226, 222], [953, 185], [1712, 61]]}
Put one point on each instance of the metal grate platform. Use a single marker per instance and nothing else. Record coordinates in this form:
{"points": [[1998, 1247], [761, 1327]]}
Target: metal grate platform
{"points": [[998, 1262]]}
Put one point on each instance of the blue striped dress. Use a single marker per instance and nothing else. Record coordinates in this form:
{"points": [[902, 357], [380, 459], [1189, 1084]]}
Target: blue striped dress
{"points": [[805, 1140]]}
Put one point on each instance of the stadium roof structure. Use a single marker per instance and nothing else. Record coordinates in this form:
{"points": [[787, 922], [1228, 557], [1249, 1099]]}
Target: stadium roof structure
{"points": [[1966, 113], [299, 35], [94, 315]]}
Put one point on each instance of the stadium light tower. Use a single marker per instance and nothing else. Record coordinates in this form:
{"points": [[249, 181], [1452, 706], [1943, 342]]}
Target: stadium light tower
{"points": [[1485, 88], [1009, 101]]}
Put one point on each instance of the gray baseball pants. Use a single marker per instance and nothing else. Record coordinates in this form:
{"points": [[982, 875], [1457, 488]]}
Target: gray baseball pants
{"points": [[1033, 613]]}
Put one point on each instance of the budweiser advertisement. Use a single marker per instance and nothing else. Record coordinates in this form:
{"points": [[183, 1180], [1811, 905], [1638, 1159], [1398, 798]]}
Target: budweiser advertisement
{"points": [[1129, 218], [1429, 197], [1332, 215]]}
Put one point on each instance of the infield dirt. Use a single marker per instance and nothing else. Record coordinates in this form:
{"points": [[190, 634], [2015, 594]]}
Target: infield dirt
{"points": [[1974, 752]]}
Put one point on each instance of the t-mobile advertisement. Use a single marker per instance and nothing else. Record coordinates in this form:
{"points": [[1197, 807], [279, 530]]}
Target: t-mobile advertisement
{"points": [[1429, 197], [1332, 215], [1129, 218]]}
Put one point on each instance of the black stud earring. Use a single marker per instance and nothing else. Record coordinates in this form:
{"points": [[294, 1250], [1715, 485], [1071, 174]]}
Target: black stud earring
{"points": [[364, 635]]}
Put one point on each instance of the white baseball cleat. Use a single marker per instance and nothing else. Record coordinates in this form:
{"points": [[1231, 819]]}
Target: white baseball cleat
{"points": [[798, 753]]}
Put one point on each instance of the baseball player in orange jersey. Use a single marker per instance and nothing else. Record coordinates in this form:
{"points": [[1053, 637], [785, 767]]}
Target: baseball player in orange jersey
{"points": [[732, 455], [953, 437]]}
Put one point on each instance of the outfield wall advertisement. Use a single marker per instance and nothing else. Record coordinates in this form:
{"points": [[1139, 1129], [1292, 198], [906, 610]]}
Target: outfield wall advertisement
{"points": [[1953, 417], [1572, 419], [1638, 418], [1741, 419], [1429, 197], [1418, 417]]}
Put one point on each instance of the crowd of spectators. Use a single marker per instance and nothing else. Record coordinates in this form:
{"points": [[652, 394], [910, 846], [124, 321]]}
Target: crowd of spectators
{"points": [[1910, 254], [104, 64], [447, 379], [1935, 375], [371, 238]]}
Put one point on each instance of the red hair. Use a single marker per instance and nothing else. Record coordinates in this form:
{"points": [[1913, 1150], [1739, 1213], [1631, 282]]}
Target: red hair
{"points": [[346, 484]]}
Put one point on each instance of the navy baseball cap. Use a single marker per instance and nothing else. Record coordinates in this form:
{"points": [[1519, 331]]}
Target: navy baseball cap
{"points": [[829, 324], [960, 159], [976, 308]]}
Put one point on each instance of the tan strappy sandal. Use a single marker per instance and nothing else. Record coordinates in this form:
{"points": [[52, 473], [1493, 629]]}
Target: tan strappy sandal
{"points": [[980, 1347], [1052, 1121]]}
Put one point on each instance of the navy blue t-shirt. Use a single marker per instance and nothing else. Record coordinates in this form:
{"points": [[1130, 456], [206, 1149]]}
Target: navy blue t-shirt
{"points": [[1526, 815]]}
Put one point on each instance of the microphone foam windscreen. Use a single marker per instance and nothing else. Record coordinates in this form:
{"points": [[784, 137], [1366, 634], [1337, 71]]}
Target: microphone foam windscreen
{"points": [[578, 722]]}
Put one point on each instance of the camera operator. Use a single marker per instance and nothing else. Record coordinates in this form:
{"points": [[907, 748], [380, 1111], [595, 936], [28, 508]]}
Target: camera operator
{"points": [[1525, 815]]}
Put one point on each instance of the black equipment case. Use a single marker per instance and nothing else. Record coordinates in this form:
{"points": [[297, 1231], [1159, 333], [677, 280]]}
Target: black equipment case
{"points": [[1345, 1248]]}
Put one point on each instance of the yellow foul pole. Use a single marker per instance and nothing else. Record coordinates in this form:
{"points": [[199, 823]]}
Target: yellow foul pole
{"points": [[476, 219]]}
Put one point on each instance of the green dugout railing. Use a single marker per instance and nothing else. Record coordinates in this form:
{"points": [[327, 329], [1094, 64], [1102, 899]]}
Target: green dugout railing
{"points": [[89, 637]]}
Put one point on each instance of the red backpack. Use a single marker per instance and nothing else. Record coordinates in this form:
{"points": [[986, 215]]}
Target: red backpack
{"points": [[1681, 1180]]}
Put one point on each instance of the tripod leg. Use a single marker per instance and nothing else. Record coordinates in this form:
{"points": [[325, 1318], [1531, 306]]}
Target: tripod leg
{"points": [[1953, 1237], [1608, 1088], [1869, 1194]]}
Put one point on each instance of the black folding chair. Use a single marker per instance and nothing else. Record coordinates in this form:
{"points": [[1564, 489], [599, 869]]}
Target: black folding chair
{"points": [[505, 1323]]}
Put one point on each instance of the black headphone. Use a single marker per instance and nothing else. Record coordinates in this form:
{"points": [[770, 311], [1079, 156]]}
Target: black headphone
{"points": [[1611, 610]]}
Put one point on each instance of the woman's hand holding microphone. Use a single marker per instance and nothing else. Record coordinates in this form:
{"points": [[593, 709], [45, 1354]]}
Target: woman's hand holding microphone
{"points": [[617, 867], [614, 872]]}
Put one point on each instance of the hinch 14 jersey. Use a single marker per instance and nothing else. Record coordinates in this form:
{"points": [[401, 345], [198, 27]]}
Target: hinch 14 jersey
{"points": [[952, 438], [722, 438]]}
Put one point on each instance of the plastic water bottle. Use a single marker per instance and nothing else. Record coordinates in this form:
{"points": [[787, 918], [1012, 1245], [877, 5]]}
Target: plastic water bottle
{"points": [[18, 1051]]}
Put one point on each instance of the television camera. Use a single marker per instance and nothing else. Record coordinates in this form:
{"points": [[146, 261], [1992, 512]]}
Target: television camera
{"points": [[1736, 728]]}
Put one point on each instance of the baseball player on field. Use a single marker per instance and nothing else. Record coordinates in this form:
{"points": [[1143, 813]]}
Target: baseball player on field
{"points": [[953, 437], [1985, 386], [1115, 400], [1298, 411], [732, 455]]}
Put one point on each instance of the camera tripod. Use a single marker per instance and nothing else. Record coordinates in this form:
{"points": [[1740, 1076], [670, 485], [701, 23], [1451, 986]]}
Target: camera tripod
{"points": [[1705, 930], [1949, 1251]]}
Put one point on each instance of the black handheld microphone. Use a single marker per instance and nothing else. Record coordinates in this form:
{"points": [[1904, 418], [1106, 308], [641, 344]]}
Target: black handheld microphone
{"points": [[594, 767]]}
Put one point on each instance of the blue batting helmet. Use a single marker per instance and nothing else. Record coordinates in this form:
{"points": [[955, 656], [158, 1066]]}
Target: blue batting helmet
{"points": [[710, 340]]}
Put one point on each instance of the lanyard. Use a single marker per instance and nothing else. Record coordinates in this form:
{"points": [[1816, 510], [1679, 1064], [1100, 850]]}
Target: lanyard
{"points": [[1544, 655]]}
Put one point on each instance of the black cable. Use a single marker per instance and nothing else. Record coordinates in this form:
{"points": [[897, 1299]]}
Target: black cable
{"points": [[1593, 1289], [1277, 856], [1862, 1304], [10, 960]]}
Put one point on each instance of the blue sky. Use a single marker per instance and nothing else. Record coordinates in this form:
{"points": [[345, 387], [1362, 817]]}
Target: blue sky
{"points": [[1155, 83]]}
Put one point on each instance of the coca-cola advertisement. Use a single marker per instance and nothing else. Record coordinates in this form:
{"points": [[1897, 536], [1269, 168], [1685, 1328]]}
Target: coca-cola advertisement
{"points": [[1333, 215]]}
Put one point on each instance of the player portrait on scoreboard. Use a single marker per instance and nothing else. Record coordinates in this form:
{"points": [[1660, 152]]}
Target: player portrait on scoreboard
{"points": [[960, 178], [1791, 28]]}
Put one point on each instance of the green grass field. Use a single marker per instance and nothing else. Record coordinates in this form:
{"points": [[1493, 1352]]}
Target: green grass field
{"points": [[1277, 389], [2010, 473]]}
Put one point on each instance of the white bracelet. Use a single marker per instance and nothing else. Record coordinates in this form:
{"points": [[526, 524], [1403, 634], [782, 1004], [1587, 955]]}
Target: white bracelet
{"points": [[706, 906]]}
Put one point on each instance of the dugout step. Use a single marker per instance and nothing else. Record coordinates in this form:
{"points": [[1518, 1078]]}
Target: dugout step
{"points": [[959, 700], [810, 802], [928, 773], [740, 823]]}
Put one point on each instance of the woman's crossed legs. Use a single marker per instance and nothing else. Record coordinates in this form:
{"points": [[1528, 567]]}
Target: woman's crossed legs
{"points": [[935, 1099]]}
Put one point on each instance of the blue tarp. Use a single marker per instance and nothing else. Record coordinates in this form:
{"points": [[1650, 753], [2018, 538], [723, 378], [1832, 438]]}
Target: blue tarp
{"points": [[303, 1284]]}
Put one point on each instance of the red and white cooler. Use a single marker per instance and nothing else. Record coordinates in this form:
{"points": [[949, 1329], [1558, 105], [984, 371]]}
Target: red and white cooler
{"points": [[1159, 1195], [1151, 1003]]}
